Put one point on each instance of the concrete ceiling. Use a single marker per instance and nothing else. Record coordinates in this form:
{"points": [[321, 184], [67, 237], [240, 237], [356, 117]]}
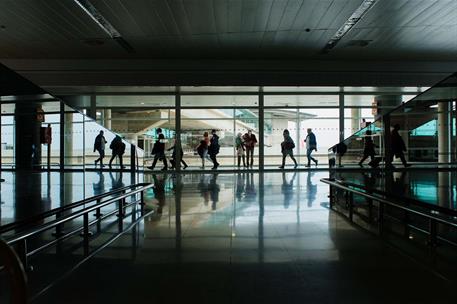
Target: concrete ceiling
{"points": [[56, 42]]}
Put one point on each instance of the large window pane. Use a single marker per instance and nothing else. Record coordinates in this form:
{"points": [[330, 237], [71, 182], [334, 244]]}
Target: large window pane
{"points": [[219, 101], [301, 100]]}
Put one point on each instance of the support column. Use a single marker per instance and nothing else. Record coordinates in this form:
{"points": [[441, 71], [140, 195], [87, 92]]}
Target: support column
{"points": [[341, 122], [387, 141], [355, 119], [261, 130], [444, 134], [178, 145], [92, 113], [62, 136], [27, 136], [68, 138], [107, 118], [384, 104]]}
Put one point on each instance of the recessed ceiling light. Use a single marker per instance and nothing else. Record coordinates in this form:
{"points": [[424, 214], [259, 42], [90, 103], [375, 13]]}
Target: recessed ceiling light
{"points": [[142, 103]]}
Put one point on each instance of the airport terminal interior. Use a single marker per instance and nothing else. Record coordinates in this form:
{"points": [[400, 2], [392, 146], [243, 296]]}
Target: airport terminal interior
{"points": [[228, 151]]}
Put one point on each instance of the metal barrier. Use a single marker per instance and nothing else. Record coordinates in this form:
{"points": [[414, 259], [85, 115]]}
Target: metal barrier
{"points": [[57, 212], [20, 239], [16, 274], [433, 219]]}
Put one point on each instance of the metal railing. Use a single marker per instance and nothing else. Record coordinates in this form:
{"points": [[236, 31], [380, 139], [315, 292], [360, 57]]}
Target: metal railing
{"points": [[433, 216], [20, 239], [57, 212], [15, 274]]}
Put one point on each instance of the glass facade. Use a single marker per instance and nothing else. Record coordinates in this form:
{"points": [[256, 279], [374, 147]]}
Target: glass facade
{"points": [[332, 113], [394, 132]]}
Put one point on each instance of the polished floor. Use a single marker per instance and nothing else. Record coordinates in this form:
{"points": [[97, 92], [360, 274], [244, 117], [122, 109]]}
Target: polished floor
{"points": [[434, 187], [239, 238]]}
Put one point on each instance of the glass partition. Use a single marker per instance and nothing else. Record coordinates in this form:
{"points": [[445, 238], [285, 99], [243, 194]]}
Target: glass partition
{"points": [[421, 131]]}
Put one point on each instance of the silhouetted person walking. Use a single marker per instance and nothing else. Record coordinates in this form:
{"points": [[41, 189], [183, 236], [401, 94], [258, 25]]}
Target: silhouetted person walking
{"points": [[311, 145], [159, 153], [99, 146], [397, 146], [368, 149], [287, 147], [118, 148], [249, 143], [239, 146], [173, 157], [213, 149], [202, 150]]}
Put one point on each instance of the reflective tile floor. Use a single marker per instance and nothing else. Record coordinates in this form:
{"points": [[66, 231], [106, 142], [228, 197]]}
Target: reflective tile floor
{"points": [[435, 187], [246, 238]]}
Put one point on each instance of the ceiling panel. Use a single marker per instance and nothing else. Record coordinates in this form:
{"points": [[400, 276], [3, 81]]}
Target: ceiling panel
{"points": [[258, 29]]}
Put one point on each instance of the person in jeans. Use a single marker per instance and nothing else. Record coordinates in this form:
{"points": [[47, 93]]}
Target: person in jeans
{"points": [[159, 153], [249, 143], [99, 146], [202, 151], [213, 149], [287, 147], [311, 145]]}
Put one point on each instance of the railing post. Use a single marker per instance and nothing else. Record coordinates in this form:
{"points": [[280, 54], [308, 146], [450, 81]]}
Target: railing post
{"points": [[97, 212], [22, 253], [132, 158], [370, 210], [331, 197], [351, 206], [59, 231], [121, 204], [86, 233], [381, 218], [433, 231], [142, 202]]}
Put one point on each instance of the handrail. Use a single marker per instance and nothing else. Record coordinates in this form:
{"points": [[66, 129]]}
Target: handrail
{"points": [[446, 211], [21, 238], [16, 273], [56, 211], [390, 203], [52, 224]]}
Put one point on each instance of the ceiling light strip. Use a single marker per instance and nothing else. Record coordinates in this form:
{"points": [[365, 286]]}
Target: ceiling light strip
{"points": [[356, 16], [93, 13]]}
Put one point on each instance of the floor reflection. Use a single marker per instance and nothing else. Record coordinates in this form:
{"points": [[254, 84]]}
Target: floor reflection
{"points": [[246, 237], [428, 186]]}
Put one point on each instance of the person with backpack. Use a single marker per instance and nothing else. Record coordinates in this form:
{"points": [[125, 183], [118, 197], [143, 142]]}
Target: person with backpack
{"points": [[118, 149], [311, 145], [99, 146], [287, 147], [158, 150], [213, 149]]}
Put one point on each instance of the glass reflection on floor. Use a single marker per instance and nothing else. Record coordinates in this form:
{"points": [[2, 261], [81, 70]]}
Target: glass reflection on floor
{"points": [[427, 186]]}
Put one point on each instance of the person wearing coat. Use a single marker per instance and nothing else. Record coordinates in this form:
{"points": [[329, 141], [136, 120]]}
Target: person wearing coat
{"points": [[249, 143], [118, 148], [368, 149], [311, 145], [99, 146], [287, 148], [159, 153], [213, 149], [397, 146]]}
